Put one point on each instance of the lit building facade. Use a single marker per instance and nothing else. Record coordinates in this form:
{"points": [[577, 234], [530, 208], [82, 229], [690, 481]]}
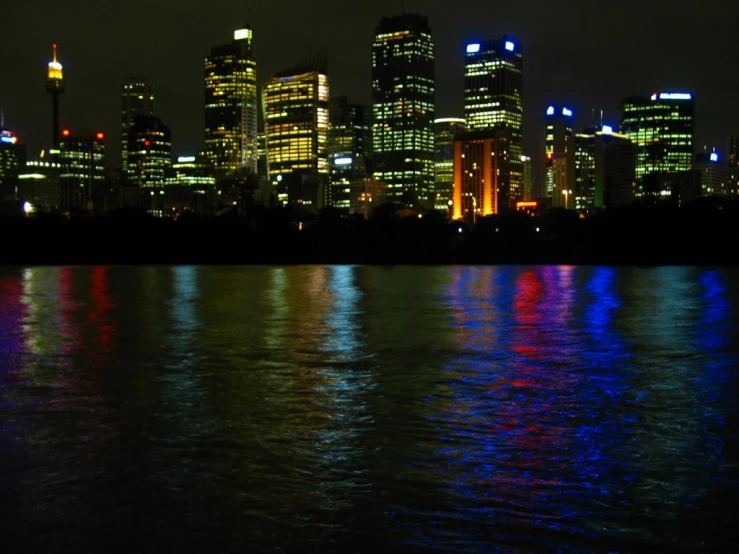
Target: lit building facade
{"points": [[715, 174], [149, 151], [38, 184], [527, 166], [559, 161], [585, 170], [349, 147], [82, 169], [661, 126], [296, 123], [477, 159], [615, 169], [137, 98], [403, 94], [734, 164], [493, 101], [55, 87], [12, 159], [446, 131], [231, 105]]}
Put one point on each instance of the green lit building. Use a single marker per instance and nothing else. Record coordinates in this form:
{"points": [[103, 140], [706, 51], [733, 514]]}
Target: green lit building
{"points": [[662, 128], [493, 102], [446, 131], [231, 105], [296, 123], [403, 109]]}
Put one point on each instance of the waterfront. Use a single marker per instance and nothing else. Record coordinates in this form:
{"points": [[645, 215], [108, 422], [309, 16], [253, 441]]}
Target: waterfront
{"points": [[511, 409]]}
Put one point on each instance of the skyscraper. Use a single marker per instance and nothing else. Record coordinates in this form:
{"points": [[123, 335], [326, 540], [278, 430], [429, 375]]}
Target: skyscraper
{"points": [[661, 126], [231, 104], [82, 171], [349, 147], [559, 151], [149, 148], [446, 131], [734, 164], [137, 98], [296, 133], [715, 174], [55, 87], [493, 103], [403, 108], [477, 159]]}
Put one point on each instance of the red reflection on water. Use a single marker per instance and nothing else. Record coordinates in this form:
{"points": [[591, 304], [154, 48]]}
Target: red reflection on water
{"points": [[12, 315], [99, 316]]}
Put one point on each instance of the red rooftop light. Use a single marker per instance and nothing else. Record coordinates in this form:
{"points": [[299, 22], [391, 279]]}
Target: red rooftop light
{"points": [[65, 133], [100, 136], [147, 143]]}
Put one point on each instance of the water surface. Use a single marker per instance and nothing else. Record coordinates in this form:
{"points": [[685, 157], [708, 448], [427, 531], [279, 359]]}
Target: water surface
{"points": [[348, 409]]}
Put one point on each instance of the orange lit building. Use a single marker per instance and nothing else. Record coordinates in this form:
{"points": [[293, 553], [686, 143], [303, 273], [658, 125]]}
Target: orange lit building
{"points": [[477, 171]]}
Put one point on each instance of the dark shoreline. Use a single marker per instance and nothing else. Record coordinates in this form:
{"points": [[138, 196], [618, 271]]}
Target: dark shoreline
{"points": [[704, 233]]}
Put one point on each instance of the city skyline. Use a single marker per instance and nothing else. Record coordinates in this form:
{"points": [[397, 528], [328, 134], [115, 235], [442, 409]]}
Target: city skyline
{"points": [[631, 55]]}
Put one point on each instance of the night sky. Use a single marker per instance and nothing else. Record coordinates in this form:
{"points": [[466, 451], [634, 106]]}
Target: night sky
{"points": [[586, 54]]}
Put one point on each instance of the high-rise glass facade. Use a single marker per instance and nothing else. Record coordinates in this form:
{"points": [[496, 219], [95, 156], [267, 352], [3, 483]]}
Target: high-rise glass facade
{"points": [[734, 165], [82, 168], [149, 149], [559, 152], [662, 128], [446, 131], [403, 108], [296, 123], [231, 105], [137, 98], [493, 101], [349, 147]]}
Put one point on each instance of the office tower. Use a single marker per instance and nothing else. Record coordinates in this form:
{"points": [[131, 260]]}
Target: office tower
{"points": [[446, 131], [493, 102], [477, 162], [296, 131], [350, 129], [527, 167], [137, 98], [190, 187], [349, 147], [715, 174], [231, 105], [403, 108], [559, 151], [661, 126], [734, 165], [585, 170], [55, 87], [149, 151], [12, 156], [38, 183], [82, 169], [615, 169], [605, 169]]}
